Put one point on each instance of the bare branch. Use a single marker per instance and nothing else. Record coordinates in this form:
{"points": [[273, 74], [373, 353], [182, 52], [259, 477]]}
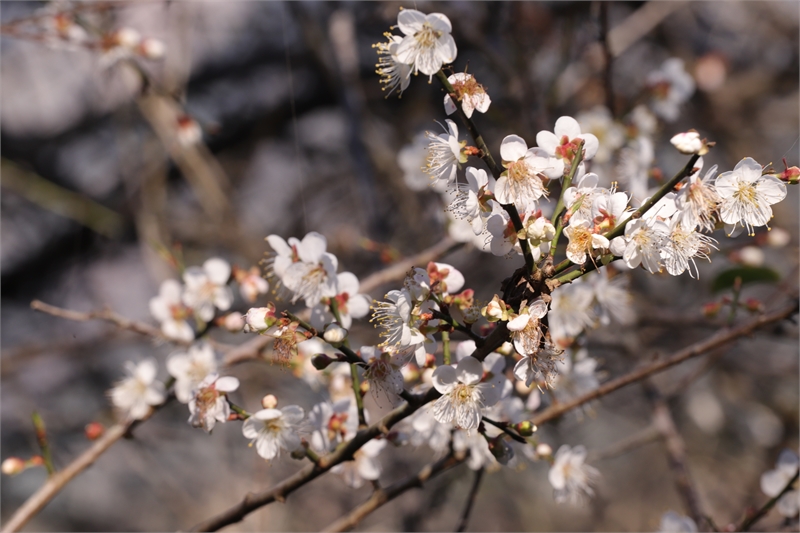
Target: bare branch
{"points": [[106, 315], [715, 341], [748, 522], [473, 493], [382, 496], [59, 480]]}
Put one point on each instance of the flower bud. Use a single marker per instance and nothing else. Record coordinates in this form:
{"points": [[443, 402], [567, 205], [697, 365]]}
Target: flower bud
{"points": [[269, 401], [127, 37], [259, 319], [12, 466], [471, 314], [495, 310], [778, 237], [321, 361], [525, 428], [711, 309], [687, 142], [751, 256], [544, 450], [506, 349], [36, 460], [151, 48], [334, 334], [299, 453], [94, 430], [501, 450], [753, 305], [233, 322]]}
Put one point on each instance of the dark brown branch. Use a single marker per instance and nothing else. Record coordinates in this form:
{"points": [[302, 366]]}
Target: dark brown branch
{"points": [[383, 496], [473, 493], [748, 522]]}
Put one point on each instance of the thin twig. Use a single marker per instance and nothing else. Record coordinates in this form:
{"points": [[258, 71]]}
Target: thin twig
{"points": [[106, 315], [473, 493], [748, 522], [503, 426], [715, 341], [59, 480], [623, 446], [256, 500], [383, 496], [44, 445], [676, 453]]}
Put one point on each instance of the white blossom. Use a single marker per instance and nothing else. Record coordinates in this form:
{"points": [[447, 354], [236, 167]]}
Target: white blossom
{"points": [[698, 201], [570, 476], [583, 241], [412, 161], [521, 183], [473, 199], [427, 44], [393, 73], [746, 195], [610, 133], [472, 95], [349, 303], [364, 466], [313, 277], [642, 243], [332, 423], [526, 329], [206, 288], [612, 296], [209, 405], [272, 430], [169, 310], [463, 393], [774, 481], [562, 142], [444, 154], [570, 312], [137, 393], [682, 245], [191, 367], [671, 86], [383, 374]]}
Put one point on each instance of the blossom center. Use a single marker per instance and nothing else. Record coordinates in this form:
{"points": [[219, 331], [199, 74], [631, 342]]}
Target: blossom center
{"points": [[427, 36]]}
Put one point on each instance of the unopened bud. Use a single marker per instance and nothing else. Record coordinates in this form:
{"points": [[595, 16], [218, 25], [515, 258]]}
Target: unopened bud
{"points": [[364, 387], [12, 466], [269, 401], [36, 460], [526, 428], [334, 334], [711, 309], [544, 450], [495, 310], [690, 143], [94, 430], [751, 256], [321, 361], [298, 453], [151, 48], [506, 349], [753, 305], [430, 360], [233, 322], [127, 37], [501, 450], [778, 237], [260, 319]]}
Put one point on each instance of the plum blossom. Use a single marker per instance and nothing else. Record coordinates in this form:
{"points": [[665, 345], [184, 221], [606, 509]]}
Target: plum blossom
{"points": [[168, 308], [562, 142], [393, 73], [526, 328], [251, 284], [349, 303], [463, 393], [698, 201], [479, 454], [642, 243], [191, 367], [583, 241], [137, 393], [206, 288], [670, 86], [540, 233], [283, 254], [444, 154], [401, 320], [209, 404], [383, 373], [272, 430], [313, 276], [579, 198], [332, 423], [774, 481], [746, 195], [570, 312], [633, 169], [471, 94], [610, 134], [539, 366], [521, 183], [473, 200], [570, 476], [412, 160], [364, 466], [612, 296], [682, 245], [427, 44], [689, 142]]}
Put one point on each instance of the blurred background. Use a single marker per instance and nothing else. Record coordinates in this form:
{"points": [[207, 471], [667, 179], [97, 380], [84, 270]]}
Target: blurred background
{"points": [[267, 117]]}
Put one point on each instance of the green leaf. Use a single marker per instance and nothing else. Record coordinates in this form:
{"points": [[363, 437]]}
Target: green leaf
{"points": [[748, 274]]}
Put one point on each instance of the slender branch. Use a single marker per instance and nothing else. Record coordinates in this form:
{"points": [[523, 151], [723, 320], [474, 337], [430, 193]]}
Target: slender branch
{"points": [[362, 419], [676, 453], [59, 480], [503, 426], [715, 341], [399, 269], [748, 522], [473, 493], [44, 445], [256, 500], [446, 347], [623, 446], [106, 315], [560, 204], [383, 496], [496, 170], [666, 188]]}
